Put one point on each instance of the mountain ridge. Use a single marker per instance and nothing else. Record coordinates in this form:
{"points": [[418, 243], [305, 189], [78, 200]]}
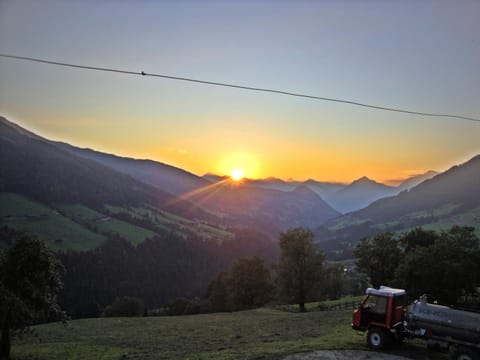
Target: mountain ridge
{"points": [[164, 177], [360, 193], [447, 199], [59, 173]]}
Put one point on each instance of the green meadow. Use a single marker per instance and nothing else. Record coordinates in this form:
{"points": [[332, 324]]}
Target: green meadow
{"points": [[61, 232], [78, 227], [255, 334]]}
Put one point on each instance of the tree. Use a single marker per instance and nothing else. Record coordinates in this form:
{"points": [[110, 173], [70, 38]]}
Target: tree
{"points": [[217, 293], [29, 282], [445, 268], [417, 237], [300, 267], [249, 283], [378, 258]]}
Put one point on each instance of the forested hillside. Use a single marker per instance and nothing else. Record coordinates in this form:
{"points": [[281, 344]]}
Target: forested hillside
{"points": [[450, 198]]}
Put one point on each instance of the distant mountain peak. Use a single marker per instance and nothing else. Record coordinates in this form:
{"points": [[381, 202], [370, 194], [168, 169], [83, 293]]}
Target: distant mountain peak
{"points": [[363, 180], [449, 197]]}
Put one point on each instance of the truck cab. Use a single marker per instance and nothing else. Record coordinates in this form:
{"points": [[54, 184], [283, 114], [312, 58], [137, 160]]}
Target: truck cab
{"points": [[381, 313], [384, 314]]}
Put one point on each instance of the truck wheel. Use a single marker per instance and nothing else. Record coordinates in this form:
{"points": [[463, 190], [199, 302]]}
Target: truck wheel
{"points": [[377, 338], [465, 353]]}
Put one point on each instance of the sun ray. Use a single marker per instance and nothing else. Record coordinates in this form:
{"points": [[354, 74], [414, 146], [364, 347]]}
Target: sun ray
{"points": [[197, 192]]}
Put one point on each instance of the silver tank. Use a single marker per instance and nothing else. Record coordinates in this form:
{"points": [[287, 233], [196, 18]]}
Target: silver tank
{"points": [[444, 321]]}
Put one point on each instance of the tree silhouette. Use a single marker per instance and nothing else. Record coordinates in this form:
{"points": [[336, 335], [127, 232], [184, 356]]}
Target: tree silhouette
{"points": [[29, 282], [378, 257], [250, 283], [446, 268], [300, 267]]}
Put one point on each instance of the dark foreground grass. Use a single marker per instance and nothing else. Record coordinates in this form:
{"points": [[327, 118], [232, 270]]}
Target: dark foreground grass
{"points": [[256, 334]]}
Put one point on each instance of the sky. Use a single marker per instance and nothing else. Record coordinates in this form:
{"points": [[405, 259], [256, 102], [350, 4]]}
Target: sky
{"points": [[415, 55]]}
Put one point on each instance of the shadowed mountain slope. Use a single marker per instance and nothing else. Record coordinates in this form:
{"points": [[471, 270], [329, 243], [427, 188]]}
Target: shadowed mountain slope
{"points": [[450, 198], [459, 186], [359, 194], [58, 173], [271, 209], [35, 167], [416, 180], [43, 171], [164, 177]]}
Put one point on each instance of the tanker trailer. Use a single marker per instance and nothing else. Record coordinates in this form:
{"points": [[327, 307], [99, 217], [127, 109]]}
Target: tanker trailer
{"points": [[442, 321], [385, 316]]}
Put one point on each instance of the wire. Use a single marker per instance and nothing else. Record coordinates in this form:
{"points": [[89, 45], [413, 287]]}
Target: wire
{"points": [[142, 73]]}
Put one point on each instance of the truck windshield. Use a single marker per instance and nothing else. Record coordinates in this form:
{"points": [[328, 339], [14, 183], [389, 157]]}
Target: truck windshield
{"points": [[375, 304]]}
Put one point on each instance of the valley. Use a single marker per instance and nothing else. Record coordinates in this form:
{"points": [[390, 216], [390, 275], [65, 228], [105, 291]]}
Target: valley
{"points": [[134, 199], [99, 212]]}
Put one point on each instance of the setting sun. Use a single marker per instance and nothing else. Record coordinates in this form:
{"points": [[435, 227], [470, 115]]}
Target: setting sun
{"points": [[237, 174], [238, 165]]}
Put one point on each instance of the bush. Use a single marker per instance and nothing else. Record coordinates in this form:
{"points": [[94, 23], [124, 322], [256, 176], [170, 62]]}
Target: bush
{"points": [[124, 306]]}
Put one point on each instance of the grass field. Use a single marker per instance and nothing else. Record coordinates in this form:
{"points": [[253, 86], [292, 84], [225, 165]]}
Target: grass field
{"points": [[439, 219], [134, 234], [469, 218], [59, 231], [254, 334], [78, 227], [166, 220]]}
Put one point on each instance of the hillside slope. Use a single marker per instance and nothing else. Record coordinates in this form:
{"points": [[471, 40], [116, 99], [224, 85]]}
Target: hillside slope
{"points": [[34, 167], [57, 174], [459, 186], [358, 194], [450, 198], [265, 208], [164, 177], [36, 174], [416, 180]]}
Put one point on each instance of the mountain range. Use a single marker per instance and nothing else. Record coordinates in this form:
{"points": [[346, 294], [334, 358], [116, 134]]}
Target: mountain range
{"points": [[270, 209], [343, 198], [83, 186], [448, 199], [50, 188], [141, 228], [162, 176]]}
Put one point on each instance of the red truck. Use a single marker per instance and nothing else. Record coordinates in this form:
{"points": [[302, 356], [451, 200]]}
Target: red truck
{"points": [[385, 316]]}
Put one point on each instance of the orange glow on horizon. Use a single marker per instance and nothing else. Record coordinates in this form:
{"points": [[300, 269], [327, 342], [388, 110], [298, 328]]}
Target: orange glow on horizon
{"points": [[275, 155], [239, 165]]}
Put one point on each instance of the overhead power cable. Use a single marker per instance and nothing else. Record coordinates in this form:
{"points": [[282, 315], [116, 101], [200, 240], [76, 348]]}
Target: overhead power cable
{"points": [[142, 73]]}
